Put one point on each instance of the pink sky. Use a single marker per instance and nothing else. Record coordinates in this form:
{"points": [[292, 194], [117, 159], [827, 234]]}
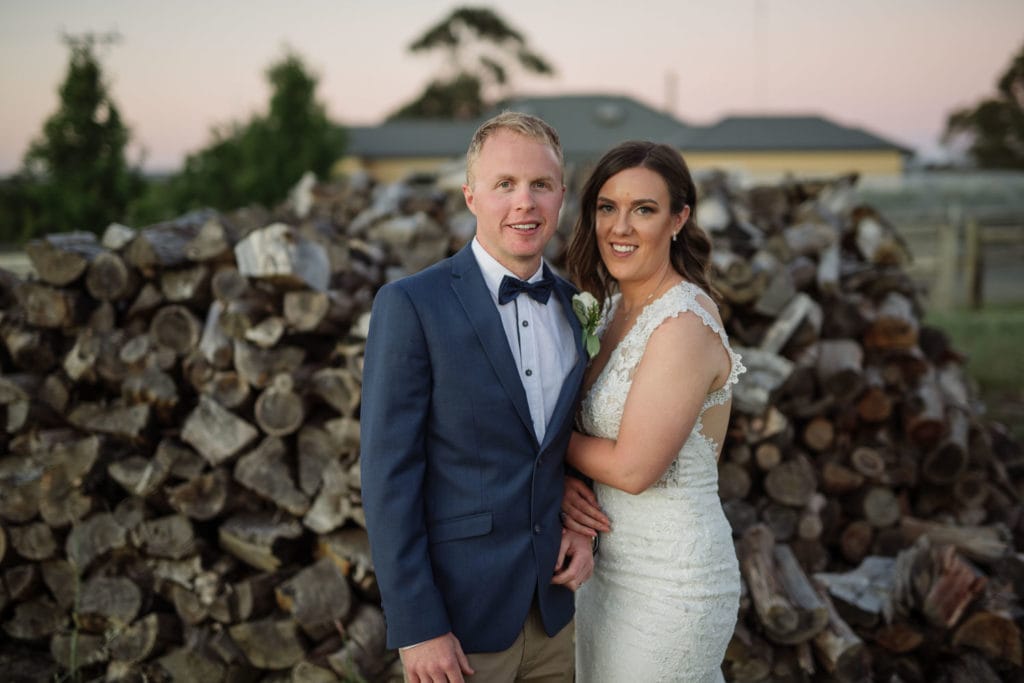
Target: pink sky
{"points": [[894, 67]]}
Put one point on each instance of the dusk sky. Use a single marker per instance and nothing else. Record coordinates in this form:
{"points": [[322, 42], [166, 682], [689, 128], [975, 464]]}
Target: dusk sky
{"points": [[894, 67]]}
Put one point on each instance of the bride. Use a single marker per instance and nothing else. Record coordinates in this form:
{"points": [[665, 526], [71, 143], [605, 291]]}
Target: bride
{"points": [[663, 600]]}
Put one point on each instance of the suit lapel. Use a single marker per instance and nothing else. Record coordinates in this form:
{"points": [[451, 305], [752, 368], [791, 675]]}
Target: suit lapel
{"points": [[471, 290], [566, 405]]}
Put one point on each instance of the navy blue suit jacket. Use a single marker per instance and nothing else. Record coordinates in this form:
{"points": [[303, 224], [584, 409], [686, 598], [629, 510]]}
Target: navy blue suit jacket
{"points": [[461, 500]]}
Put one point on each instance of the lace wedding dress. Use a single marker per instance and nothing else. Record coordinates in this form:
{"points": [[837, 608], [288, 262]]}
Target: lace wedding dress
{"points": [[663, 600]]}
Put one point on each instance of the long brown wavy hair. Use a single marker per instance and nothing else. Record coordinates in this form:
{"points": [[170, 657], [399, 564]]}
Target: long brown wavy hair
{"points": [[690, 253]]}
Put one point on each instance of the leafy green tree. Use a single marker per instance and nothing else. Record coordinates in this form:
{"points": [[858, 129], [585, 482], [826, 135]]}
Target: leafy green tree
{"points": [[994, 128], [261, 160], [75, 173], [482, 51]]}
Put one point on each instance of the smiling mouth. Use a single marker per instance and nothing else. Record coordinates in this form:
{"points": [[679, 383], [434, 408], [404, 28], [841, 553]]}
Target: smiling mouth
{"points": [[623, 248], [524, 227]]}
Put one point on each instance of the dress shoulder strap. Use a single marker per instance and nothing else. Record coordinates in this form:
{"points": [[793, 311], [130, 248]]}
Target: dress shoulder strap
{"points": [[683, 298]]}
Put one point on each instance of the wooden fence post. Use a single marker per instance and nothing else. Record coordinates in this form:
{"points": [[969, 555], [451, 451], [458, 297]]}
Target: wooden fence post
{"points": [[944, 284], [974, 264]]}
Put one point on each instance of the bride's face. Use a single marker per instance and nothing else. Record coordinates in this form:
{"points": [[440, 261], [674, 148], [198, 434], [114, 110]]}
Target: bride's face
{"points": [[635, 225]]}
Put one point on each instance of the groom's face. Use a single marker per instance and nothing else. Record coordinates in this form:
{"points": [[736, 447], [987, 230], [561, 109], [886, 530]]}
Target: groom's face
{"points": [[516, 194]]}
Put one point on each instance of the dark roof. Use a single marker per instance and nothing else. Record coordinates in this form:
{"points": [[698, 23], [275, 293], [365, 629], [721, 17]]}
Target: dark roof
{"points": [[591, 124], [789, 133], [428, 138]]}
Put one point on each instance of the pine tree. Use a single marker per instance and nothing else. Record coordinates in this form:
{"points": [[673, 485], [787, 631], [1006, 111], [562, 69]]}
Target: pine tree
{"points": [[76, 171]]}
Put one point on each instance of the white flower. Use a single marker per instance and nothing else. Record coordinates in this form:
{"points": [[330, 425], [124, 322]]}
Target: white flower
{"points": [[584, 305]]}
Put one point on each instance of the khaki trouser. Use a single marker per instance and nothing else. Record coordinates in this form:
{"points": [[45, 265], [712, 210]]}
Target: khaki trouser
{"points": [[534, 656]]}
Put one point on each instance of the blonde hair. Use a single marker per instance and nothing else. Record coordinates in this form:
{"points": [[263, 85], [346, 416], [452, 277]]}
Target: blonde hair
{"points": [[527, 125]]}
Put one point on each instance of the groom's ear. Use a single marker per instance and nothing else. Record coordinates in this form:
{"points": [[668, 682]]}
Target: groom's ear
{"points": [[467, 193]]}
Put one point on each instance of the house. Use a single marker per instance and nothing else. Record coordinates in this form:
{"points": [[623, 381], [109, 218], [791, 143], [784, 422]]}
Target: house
{"points": [[752, 148]]}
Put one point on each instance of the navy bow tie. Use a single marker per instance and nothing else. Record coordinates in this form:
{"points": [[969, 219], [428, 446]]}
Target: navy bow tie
{"points": [[511, 287]]}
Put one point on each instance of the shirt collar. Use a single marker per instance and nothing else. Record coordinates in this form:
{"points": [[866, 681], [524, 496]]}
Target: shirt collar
{"points": [[494, 271]]}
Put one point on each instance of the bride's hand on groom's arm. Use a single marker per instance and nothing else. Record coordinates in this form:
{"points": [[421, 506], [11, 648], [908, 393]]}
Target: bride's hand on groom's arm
{"points": [[575, 560], [580, 511], [437, 659]]}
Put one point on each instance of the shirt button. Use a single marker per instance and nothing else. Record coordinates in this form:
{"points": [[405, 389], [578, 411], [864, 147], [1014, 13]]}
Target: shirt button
{"points": [[529, 373], [536, 529], [526, 323]]}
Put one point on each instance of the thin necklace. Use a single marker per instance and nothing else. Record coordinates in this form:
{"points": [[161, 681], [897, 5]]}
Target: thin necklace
{"points": [[640, 307]]}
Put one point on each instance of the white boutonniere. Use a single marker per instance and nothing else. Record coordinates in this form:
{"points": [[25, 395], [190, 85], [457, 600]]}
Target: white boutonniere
{"points": [[584, 305]]}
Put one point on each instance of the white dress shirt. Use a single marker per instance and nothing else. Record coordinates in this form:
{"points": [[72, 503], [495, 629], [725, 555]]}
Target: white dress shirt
{"points": [[539, 336]]}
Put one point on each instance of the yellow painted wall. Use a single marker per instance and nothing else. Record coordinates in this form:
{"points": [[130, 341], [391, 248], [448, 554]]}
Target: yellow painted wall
{"points": [[758, 166], [389, 170], [770, 166]]}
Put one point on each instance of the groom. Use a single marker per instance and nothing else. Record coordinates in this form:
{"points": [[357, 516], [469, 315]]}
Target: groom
{"points": [[471, 377]]}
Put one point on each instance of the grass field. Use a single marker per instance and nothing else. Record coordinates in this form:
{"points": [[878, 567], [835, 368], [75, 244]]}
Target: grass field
{"points": [[993, 339]]}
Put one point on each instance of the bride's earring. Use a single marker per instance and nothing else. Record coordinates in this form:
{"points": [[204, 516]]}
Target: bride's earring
{"points": [[674, 236]]}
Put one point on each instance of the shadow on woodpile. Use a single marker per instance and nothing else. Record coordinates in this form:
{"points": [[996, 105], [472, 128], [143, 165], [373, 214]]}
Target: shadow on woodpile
{"points": [[180, 403]]}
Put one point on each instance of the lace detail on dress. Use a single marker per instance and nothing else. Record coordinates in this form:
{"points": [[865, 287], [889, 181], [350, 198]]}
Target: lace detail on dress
{"points": [[602, 407], [663, 600]]}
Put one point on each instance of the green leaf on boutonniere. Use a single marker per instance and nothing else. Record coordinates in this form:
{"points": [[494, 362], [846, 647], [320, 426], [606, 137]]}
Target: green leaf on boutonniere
{"points": [[584, 305]]}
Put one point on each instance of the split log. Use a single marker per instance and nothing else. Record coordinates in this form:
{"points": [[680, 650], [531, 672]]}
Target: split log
{"points": [[216, 433], [262, 540], [185, 284], [175, 327], [109, 278], [278, 253], [48, 307], [164, 245], [895, 325], [203, 497], [946, 463], [21, 581], [126, 422], [981, 543], [266, 471], [107, 603], [212, 242], [839, 479], [171, 536], [259, 366], [954, 586], [839, 647], [733, 481], [94, 538], [228, 389], [76, 651], [332, 506], [279, 411], [791, 482], [267, 332], [144, 638], [33, 542], [61, 258], [338, 387], [269, 643], [317, 597], [786, 606], [36, 619], [799, 310], [880, 507], [997, 636], [327, 313], [364, 651]]}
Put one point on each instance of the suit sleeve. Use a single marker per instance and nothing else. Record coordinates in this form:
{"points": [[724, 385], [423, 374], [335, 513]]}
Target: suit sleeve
{"points": [[393, 420]]}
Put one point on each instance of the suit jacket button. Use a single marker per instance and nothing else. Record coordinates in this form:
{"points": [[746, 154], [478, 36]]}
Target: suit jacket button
{"points": [[536, 529]]}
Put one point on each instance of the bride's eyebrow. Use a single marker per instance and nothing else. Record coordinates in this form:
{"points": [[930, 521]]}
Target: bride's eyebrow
{"points": [[633, 204]]}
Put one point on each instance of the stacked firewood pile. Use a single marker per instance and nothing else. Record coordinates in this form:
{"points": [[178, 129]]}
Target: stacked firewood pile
{"points": [[179, 490], [876, 515]]}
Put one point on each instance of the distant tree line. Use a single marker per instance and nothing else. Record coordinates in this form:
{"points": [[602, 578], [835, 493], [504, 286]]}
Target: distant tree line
{"points": [[76, 175]]}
